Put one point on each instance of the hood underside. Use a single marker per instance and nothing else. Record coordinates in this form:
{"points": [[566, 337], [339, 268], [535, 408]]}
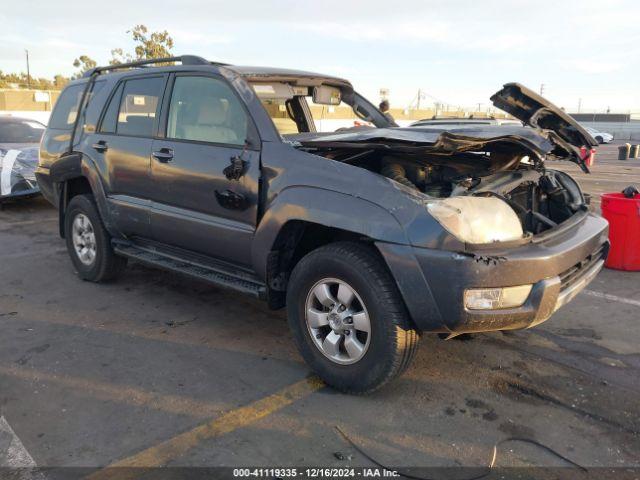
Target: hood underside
{"points": [[551, 134], [538, 112]]}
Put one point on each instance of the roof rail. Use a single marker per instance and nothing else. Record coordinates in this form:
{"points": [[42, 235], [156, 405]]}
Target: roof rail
{"points": [[184, 59]]}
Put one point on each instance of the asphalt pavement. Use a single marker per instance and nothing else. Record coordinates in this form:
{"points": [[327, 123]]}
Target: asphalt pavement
{"points": [[156, 369]]}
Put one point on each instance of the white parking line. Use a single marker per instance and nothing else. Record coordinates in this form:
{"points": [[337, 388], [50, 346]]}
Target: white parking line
{"points": [[12, 451], [612, 298]]}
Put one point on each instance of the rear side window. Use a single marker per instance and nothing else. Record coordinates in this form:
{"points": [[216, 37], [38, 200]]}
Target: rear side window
{"points": [[139, 104], [66, 109], [110, 119]]}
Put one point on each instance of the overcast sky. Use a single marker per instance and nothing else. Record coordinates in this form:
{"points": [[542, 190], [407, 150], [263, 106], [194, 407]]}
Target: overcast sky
{"points": [[457, 51]]}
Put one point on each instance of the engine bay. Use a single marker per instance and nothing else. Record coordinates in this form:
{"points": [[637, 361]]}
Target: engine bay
{"points": [[541, 198]]}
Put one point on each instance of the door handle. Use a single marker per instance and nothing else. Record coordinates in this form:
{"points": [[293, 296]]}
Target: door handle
{"points": [[164, 155], [100, 146]]}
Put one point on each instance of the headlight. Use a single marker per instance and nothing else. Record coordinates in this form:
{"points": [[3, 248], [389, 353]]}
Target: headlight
{"points": [[477, 219]]}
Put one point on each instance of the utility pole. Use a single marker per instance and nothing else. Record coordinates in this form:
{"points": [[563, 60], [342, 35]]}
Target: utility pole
{"points": [[419, 95], [542, 85], [28, 72], [579, 104]]}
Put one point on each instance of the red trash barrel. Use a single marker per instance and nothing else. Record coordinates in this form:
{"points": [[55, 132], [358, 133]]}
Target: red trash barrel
{"points": [[589, 156], [623, 215]]}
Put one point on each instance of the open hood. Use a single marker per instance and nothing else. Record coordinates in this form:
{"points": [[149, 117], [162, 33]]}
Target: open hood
{"points": [[553, 134], [538, 112]]}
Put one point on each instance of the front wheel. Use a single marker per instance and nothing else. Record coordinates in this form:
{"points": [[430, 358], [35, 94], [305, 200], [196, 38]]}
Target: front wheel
{"points": [[348, 318]]}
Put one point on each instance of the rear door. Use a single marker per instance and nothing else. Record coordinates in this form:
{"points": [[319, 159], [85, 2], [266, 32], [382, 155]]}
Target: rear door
{"points": [[123, 140], [200, 202]]}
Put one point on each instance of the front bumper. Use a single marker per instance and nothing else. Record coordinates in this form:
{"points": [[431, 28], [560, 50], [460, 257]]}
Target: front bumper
{"points": [[433, 282], [22, 192]]}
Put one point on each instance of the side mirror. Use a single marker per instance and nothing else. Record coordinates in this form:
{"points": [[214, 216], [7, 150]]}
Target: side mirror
{"points": [[326, 95]]}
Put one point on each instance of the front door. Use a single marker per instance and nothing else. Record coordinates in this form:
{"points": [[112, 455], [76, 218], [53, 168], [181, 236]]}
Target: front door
{"points": [[205, 171]]}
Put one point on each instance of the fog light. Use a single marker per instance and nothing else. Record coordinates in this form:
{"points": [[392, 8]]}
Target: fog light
{"points": [[496, 298]]}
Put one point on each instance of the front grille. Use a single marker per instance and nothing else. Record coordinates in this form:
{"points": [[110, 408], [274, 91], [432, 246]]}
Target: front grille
{"points": [[573, 274]]}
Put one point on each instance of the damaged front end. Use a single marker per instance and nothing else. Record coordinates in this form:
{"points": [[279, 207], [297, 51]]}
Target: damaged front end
{"points": [[496, 239], [17, 170], [484, 184]]}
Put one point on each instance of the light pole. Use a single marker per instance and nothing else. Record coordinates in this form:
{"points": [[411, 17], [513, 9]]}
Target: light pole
{"points": [[28, 72]]}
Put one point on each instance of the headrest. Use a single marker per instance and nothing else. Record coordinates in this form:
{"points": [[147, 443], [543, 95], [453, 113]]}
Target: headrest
{"points": [[212, 112], [137, 125]]}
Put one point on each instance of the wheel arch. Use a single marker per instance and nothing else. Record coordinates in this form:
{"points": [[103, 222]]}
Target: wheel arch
{"points": [[74, 175], [324, 209], [305, 218]]}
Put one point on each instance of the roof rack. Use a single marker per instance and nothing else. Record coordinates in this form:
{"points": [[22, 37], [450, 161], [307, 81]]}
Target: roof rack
{"points": [[184, 59]]}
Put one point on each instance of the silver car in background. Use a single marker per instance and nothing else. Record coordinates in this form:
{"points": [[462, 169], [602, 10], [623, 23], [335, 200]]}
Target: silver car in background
{"points": [[19, 142]]}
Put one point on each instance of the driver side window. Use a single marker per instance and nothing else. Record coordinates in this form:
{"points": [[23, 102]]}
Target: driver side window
{"points": [[205, 109]]}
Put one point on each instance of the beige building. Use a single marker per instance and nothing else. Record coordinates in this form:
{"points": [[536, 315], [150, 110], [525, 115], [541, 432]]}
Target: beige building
{"points": [[37, 104], [28, 100]]}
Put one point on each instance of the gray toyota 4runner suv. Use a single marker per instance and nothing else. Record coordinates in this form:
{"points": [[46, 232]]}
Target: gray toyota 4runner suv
{"points": [[369, 236]]}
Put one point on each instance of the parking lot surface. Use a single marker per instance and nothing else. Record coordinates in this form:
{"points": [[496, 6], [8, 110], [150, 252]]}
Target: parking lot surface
{"points": [[156, 369]]}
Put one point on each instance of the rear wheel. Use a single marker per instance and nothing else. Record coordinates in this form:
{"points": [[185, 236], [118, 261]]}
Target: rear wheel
{"points": [[88, 242], [599, 139], [348, 318]]}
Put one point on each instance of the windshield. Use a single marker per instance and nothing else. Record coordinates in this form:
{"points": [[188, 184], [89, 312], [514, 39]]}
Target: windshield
{"points": [[292, 109], [21, 131]]}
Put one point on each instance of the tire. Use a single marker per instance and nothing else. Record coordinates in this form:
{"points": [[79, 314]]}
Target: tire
{"points": [[390, 344], [105, 264], [599, 139]]}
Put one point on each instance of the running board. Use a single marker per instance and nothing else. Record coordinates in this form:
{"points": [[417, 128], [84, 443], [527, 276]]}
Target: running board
{"points": [[215, 276]]}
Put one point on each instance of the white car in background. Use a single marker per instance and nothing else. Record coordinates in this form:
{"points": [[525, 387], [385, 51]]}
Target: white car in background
{"points": [[600, 137], [444, 122]]}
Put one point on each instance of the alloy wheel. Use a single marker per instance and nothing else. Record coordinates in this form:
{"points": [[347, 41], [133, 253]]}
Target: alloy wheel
{"points": [[84, 239], [338, 321]]}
